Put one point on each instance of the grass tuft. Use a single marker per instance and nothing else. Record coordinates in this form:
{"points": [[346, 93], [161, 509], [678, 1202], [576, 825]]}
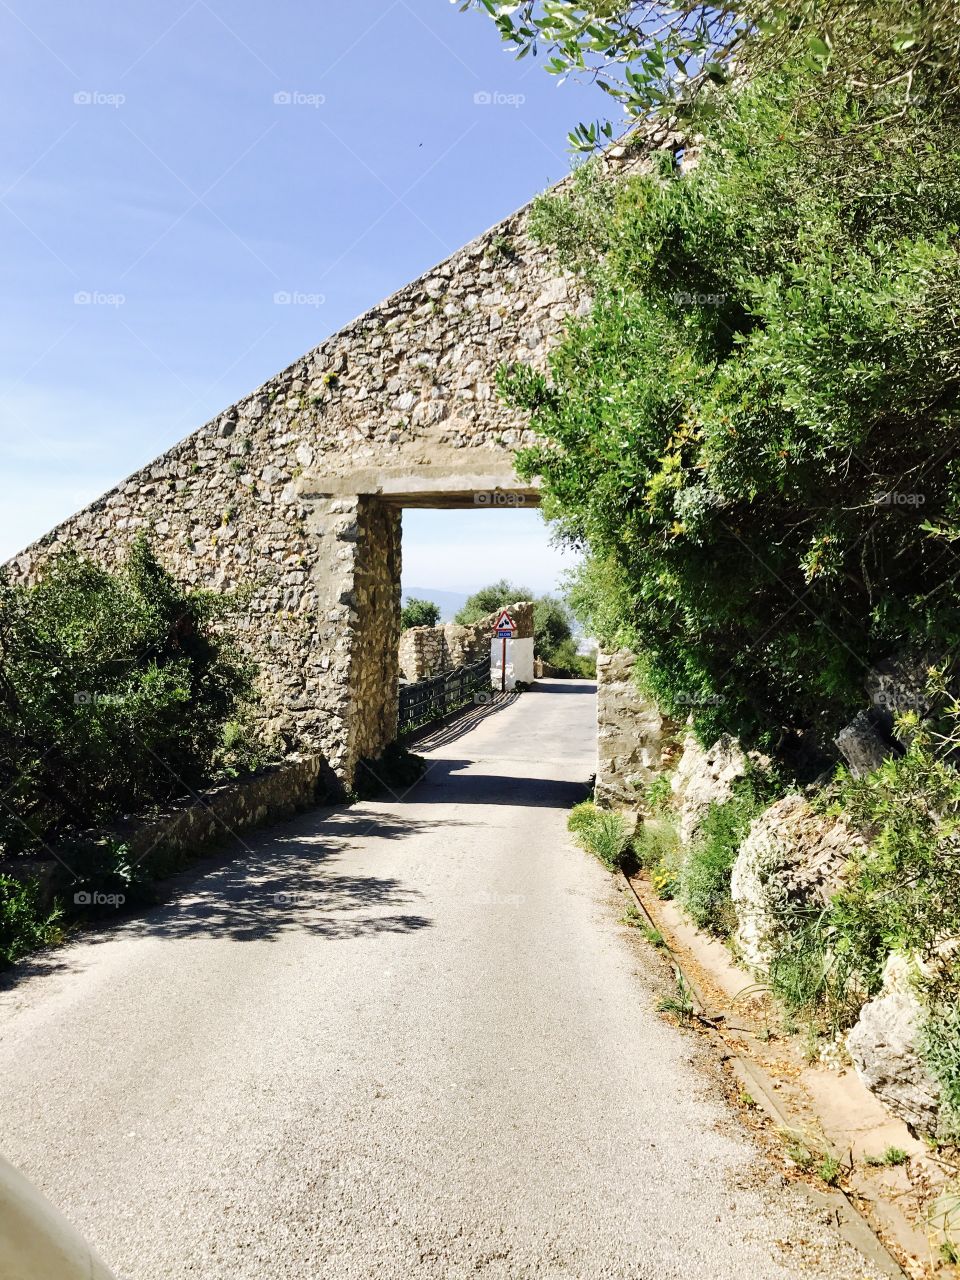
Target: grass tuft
{"points": [[602, 833]]}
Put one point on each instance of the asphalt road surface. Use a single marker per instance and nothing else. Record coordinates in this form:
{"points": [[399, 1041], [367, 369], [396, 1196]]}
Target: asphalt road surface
{"points": [[405, 1039]]}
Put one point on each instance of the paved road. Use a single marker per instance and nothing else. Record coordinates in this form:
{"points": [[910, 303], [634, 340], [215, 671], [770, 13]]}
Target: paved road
{"points": [[408, 1039]]}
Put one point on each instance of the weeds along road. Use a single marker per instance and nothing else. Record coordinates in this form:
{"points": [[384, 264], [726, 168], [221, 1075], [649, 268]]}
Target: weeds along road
{"points": [[405, 1039]]}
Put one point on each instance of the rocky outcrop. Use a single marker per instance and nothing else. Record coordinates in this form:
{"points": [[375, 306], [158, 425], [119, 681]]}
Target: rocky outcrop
{"points": [[900, 685], [792, 859], [862, 746], [883, 1046], [704, 777], [895, 687]]}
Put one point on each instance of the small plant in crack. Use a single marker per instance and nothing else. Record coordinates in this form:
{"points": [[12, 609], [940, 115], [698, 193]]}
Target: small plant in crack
{"points": [[681, 1004], [891, 1157]]}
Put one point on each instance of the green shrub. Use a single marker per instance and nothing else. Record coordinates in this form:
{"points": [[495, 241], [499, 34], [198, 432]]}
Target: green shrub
{"points": [[100, 877], [754, 431], [812, 977], [25, 924], [566, 658], [551, 628], [704, 889], [903, 892], [581, 816], [489, 599], [658, 795], [940, 1046], [419, 613], [658, 850], [601, 832], [115, 690], [241, 750], [609, 839]]}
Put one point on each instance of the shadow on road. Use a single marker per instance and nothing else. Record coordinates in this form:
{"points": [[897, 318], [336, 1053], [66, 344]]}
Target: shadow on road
{"points": [[267, 885], [571, 687], [291, 884], [460, 723], [494, 788], [279, 884]]}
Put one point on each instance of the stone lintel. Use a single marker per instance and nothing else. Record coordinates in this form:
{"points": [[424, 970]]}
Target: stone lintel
{"points": [[427, 486]]}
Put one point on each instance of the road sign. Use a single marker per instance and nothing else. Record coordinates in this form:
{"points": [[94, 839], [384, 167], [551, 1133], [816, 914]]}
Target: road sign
{"points": [[504, 628]]}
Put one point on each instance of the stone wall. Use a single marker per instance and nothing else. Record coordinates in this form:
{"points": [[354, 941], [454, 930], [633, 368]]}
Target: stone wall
{"points": [[286, 491], [374, 677], [791, 863], [465, 645], [422, 653], [704, 776], [190, 828], [195, 826], [632, 736]]}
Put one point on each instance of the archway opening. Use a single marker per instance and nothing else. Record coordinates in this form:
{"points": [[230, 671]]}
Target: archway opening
{"points": [[460, 567]]}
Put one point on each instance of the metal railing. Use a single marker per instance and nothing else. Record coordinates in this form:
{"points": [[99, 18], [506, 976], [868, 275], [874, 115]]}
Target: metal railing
{"points": [[427, 701]]}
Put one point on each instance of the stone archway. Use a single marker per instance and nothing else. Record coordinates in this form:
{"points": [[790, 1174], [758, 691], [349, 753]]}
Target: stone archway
{"points": [[374, 670], [296, 490]]}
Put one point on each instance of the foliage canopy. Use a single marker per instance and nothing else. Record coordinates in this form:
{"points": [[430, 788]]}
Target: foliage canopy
{"points": [[419, 613], [647, 56], [754, 431]]}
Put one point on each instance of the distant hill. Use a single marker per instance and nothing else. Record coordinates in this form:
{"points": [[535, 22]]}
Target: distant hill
{"points": [[449, 601]]}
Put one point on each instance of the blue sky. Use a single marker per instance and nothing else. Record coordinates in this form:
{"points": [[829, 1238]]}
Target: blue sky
{"points": [[167, 170]]}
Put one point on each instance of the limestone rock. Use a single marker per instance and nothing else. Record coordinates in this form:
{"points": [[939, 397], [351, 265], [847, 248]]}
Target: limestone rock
{"points": [[704, 777], [883, 1046], [791, 857], [862, 746], [898, 685]]}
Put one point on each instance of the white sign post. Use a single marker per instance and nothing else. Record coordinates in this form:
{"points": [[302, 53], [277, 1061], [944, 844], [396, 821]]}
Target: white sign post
{"points": [[504, 629]]}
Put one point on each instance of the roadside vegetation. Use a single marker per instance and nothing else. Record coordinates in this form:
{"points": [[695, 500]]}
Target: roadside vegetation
{"points": [[901, 892], [602, 833], [657, 840], [119, 692], [703, 881], [753, 435], [761, 407]]}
